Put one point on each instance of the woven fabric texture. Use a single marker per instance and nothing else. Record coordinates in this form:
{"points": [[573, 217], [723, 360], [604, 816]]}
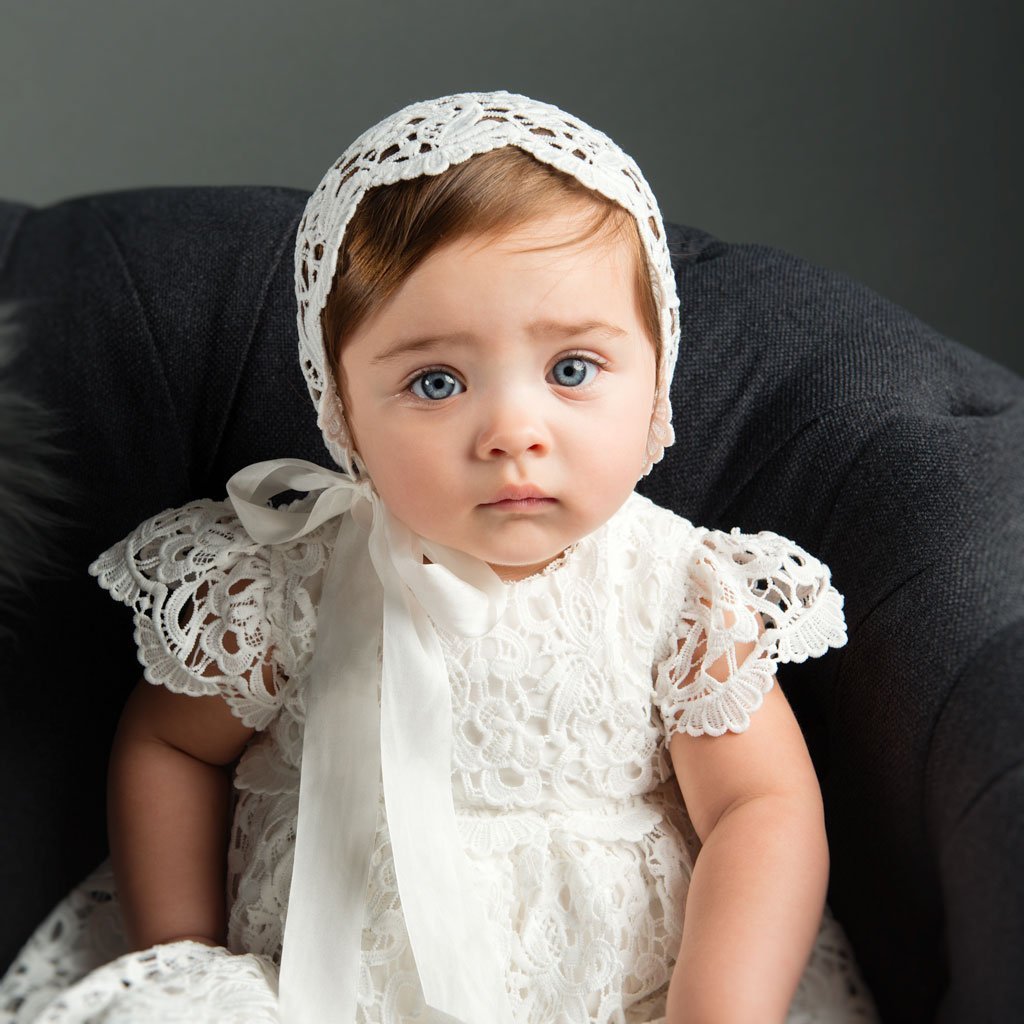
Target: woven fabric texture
{"points": [[803, 403]]}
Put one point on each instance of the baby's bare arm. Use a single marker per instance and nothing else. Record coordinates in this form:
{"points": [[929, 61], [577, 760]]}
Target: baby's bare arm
{"points": [[167, 796], [759, 883]]}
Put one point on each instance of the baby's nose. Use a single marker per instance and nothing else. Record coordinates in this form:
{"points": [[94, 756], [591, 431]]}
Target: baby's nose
{"points": [[512, 427]]}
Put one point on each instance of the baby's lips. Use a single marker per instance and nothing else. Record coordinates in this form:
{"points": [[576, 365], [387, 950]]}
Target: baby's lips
{"points": [[518, 492]]}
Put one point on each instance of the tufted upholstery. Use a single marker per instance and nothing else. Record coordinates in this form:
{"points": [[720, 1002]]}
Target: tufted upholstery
{"points": [[158, 334]]}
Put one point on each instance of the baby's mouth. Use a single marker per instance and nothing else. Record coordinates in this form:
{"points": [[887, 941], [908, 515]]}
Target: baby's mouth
{"points": [[518, 494], [520, 504]]}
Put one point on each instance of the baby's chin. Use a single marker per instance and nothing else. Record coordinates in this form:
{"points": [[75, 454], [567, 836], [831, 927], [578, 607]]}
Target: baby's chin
{"points": [[511, 573]]}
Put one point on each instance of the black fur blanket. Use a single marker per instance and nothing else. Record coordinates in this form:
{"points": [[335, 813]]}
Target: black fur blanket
{"points": [[30, 488]]}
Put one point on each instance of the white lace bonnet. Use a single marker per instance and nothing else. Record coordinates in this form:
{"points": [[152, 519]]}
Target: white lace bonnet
{"points": [[427, 138]]}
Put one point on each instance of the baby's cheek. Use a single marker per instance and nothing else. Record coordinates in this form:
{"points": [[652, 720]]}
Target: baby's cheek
{"points": [[416, 487]]}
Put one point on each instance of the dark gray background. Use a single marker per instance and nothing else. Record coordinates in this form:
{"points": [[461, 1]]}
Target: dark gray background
{"points": [[871, 136]]}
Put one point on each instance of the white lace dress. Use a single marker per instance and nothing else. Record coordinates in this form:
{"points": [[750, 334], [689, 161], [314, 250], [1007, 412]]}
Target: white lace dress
{"points": [[565, 796]]}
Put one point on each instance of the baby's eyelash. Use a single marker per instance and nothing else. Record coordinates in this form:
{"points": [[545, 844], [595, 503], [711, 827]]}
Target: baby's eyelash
{"points": [[578, 354], [424, 370]]}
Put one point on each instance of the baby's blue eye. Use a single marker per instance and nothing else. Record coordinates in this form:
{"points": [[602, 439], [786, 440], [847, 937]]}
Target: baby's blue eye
{"points": [[435, 385], [574, 371]]}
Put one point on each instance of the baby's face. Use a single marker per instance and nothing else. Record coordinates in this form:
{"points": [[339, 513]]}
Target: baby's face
{"points": [[484, 424]]}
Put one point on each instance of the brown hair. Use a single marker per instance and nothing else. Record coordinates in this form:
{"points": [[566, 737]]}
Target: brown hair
{"points": [[395, 227]]}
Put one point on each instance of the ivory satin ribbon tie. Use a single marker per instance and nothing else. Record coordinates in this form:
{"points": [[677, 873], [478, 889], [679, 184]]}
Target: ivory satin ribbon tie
{"points": [[378, 591]]}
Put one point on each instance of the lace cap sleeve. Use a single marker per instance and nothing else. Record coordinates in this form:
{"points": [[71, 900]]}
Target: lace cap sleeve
{"points": [[729, 578], [200, 589]]}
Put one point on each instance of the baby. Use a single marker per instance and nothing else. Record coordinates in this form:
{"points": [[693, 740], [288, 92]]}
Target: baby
{"points": [[464, 682]]}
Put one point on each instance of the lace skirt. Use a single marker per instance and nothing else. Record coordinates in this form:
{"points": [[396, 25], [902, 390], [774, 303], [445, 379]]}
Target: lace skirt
{"points": [[593, 924]]}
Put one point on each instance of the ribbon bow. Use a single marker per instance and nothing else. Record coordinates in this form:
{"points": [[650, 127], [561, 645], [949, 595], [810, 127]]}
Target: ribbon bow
{"points": [[378, 590]]}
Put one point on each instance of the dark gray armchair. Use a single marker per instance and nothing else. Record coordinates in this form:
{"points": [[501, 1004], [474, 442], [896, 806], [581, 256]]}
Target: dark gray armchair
{"points": [[157, 355]]}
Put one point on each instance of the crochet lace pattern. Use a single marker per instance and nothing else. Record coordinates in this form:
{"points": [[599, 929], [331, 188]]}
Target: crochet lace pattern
{"points": [[564, 792]]}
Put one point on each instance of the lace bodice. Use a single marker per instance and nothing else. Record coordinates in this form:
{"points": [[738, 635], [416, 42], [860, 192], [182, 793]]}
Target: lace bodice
{"points": [[561, 715], [565, 704]]}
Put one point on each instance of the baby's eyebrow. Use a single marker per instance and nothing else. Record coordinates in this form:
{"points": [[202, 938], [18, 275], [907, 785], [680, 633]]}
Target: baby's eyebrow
{"points": [[545, 328]]}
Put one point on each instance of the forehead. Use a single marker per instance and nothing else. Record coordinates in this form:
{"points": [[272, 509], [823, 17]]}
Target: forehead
{"points": [[538, 271], [569, 231]]}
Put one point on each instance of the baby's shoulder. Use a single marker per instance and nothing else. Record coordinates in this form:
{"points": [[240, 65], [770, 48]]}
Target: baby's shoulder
{"points": [[642, 522], [205, 527], [644, 525], [202, 543], [212, 604], [177, 548], [649, 548]]}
